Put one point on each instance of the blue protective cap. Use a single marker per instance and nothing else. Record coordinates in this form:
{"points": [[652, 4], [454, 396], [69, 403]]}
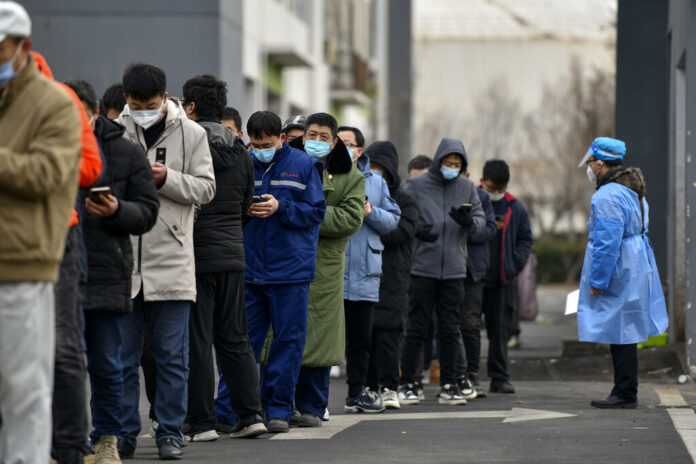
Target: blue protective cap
{"points": [[605, 148]]}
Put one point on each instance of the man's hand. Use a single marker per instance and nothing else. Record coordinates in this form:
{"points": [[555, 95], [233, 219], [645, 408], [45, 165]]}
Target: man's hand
{"points": [[499, 224], [461, 217], [595, 291], [159, 172], [368, 209], [107, 207], [423, 233], [265, 208]]}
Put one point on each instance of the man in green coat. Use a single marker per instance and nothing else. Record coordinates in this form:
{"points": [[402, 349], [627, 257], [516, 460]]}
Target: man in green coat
{"points": [[344, 189]]}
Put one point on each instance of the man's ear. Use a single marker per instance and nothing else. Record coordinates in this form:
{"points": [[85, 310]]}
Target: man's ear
{"points": [[166, 95], [467, 175], [333, 144], [240, 134], [282, 138]]}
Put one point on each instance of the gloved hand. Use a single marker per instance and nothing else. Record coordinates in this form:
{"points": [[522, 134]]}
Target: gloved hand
{"points": [[423, 233], [461, 217]]}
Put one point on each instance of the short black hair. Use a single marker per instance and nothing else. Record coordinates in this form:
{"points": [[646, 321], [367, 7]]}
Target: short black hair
{"points": [[85, 92], [612, 163], [143, 81], [113, 99], [263, 123], [359, 137], [496, 171], [323, 119], [419, 162], [233, 114], [208, 93]]}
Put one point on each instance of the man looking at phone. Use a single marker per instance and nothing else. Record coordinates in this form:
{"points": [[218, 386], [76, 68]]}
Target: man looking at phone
{"points": [[450, 210], [509, 251], [164, 279], [280, 245]]}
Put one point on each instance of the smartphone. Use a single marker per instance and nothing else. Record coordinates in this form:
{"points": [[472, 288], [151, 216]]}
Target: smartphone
{"points": [[96, 193], [256, 199], [161, 155], [500, 218], [466, 206]]}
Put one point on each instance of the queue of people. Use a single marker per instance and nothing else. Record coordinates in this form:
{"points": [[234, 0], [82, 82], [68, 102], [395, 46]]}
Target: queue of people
{"points": [[141, 232]]}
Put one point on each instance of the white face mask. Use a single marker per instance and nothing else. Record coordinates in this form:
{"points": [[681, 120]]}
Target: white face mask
{"points": [[496, 196], [591, 175], [146, 118]]}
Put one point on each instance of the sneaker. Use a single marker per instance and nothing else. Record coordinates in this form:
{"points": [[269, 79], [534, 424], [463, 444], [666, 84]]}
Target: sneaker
{"points": [[309, 420], [390, 399], [420, 390], [169, 450], [249, 428], [501, 386], [223, 427], [514, 342], [474, 379], [451, 395], [125, 449], [106, 451], [407, 394], [375, 396], [208, 435], [153, 428], [426, 377], [467, 389], [327, 416], [362, 403], [277, 425]]}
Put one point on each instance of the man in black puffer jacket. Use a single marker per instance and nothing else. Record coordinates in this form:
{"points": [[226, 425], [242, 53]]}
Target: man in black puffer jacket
{"points": [[107, 223], [219, 314], [389, 314]]}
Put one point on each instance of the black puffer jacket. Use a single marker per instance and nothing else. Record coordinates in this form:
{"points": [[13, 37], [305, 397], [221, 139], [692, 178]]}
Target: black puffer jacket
{"points": [[390, 312], [217, 233], [107, 240]]}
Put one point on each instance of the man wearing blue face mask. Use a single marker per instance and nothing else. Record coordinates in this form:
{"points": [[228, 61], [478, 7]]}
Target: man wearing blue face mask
{"points": [[450, 210], [280, 246]]}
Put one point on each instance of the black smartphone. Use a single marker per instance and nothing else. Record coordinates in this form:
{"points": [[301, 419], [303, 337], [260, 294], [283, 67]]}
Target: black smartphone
{"points": [[256, 199], [96, 193], [466, 207], [161, 155], [500, 218]]}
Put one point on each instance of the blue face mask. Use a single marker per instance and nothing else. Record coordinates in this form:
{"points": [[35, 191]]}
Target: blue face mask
{"points": [[350, 154], [7, 72], [376, 172], [449, 173], [317, 149], [265, 156]]}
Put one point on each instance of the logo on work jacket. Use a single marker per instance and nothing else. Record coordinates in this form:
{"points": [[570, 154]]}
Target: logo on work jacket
{"points": [[289, 174]]}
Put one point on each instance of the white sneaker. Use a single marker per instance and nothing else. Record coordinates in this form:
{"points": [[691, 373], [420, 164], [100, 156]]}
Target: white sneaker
{"points": [[467, 389], [210, 435], [335, 372], [390, 399], [450, 395], [327, 416], [426, 377], [408, 395]]}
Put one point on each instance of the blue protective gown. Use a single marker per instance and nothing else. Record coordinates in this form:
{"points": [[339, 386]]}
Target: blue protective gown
{"points": [[620, 261]]}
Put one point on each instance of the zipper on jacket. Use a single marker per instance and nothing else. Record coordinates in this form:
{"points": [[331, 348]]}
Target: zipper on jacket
{"points": [[444, 230], [262, 254]]}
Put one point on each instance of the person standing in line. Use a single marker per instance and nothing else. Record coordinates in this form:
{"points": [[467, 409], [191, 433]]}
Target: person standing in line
{"points": [[621, 301]]}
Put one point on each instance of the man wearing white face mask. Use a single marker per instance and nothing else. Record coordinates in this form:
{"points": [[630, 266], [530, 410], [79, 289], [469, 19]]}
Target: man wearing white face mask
{"points": [[164, 279]]}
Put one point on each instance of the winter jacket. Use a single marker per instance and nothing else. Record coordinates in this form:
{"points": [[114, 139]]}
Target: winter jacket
{"points": [[39, 166], [282, 248], [364, 253], [479, 254], [620, 261], [217, 233], [397, 257], [515, 242], [107, 240], [446, 257], [164, 258]]}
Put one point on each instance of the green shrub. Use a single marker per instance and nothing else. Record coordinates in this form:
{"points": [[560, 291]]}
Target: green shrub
{"points": [[559, 259]]}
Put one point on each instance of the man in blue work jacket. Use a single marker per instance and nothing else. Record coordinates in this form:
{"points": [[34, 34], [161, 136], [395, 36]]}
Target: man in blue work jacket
{"points": [[621, 300], [280, 243]]}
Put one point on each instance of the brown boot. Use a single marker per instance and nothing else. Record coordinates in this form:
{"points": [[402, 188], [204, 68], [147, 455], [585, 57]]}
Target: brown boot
{"points": [[106, 451]]}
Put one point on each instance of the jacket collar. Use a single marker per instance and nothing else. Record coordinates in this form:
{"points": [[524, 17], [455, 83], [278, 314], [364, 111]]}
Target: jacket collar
{"points": [[175, 113], [337, 162], [9, 91]]}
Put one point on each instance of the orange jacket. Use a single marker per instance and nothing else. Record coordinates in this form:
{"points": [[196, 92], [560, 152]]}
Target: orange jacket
{"points": [[91, 163]]}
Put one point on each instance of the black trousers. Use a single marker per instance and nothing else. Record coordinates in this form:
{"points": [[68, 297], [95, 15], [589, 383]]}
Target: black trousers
{"points": [[147, 364], [384, 359], [358, 338], [470, 328], [625, 359], [70, 426], [498, 314], [219, 318], [445, 296]]}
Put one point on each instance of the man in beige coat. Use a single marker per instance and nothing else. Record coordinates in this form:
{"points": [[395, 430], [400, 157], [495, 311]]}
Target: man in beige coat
{"points": [[164, 279], [39, 159]]}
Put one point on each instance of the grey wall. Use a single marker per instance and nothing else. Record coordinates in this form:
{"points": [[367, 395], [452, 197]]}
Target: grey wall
{"points": [[400, 77]]}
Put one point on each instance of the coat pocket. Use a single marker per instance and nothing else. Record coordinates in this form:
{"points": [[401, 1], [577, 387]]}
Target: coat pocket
{"points": [[172, 225], [374, 256], [18, 230]]}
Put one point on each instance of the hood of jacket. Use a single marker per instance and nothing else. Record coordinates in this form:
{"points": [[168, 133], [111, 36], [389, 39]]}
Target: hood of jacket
{"points": [[216, 131], [448, 147], [384, 154], [337, 162], [106, 129], [630, 177]]}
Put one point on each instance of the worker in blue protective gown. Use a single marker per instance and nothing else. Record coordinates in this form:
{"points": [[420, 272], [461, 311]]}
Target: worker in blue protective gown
{"points": [[621, 300]]}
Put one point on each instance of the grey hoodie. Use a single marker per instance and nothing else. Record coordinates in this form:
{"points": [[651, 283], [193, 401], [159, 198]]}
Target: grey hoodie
{"points": [[446, 257]]}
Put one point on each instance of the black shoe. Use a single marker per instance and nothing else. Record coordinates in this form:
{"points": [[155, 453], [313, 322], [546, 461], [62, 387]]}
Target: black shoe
{"points": [[501, 386], [70, 456], [309, 420], [276, 425], [125, 449], [614, 402], [222, 427], [169, 449], [249, 427], [294, 419]]}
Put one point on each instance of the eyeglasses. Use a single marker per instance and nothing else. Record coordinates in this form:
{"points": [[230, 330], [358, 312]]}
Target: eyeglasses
{"points": [[351, 145]]}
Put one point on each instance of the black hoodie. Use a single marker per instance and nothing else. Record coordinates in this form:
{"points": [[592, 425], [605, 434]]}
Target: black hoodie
{"points": [[390, 312]]}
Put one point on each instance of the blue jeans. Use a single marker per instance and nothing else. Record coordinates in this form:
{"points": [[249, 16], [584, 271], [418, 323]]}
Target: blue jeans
{"points": [[104, 336], [312, 394], [285, 308], [168, 322]]}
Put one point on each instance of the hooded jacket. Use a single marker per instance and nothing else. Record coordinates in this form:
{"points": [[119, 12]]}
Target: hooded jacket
{"points": [[446, 257], [397, 257], [164, 257], [620, 261], [107, 240], [217, 233], [39, 166], [364, 253]]}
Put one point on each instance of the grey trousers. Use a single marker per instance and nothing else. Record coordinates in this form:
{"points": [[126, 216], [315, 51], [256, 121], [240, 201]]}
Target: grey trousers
{"points": [[27, 343]]}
